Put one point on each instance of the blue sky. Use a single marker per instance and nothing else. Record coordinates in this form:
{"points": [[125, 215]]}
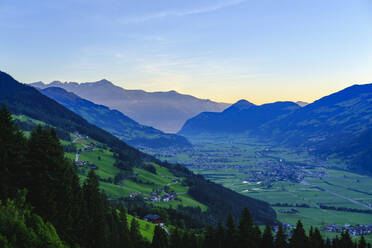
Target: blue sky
{"points": [[225, 50]]}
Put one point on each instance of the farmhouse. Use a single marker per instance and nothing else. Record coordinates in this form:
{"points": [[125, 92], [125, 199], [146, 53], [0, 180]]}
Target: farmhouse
{"points": [[153, 218]]}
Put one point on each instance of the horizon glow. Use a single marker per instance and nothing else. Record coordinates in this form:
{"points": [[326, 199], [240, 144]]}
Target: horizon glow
{"points": [[225, 50]]}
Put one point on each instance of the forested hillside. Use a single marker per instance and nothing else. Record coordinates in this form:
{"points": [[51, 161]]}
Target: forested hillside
{"points": [[23, 99]]}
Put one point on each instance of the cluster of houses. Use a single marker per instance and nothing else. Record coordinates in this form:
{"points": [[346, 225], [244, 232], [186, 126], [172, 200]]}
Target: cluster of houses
{"points": [[286, 227], [80, 136], [356, 230], [154, 197], [81, 163]]}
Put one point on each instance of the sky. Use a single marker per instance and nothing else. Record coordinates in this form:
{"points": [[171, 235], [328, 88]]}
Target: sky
{"points": [[224, 50]]}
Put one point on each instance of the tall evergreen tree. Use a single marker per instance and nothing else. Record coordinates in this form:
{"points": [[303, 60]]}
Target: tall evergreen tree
{"points": [[210, 238], [175, 239], [52, 181], [328, 243], [93, 213], [160, 239], [315, 239], [220, 236], [362, 242], [345, 240], [267, 238], [280, 238], [134, 234], [12, 155], [231, 233], [189, 240], [299, 238], [245, 229]]}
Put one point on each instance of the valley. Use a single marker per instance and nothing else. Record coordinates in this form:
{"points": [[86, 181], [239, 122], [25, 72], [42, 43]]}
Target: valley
{"points": [[321, 191]]}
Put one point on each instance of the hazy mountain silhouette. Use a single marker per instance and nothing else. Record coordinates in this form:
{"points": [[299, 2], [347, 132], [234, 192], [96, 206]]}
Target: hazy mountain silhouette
{"points": [[166, 111], [115, 122]]}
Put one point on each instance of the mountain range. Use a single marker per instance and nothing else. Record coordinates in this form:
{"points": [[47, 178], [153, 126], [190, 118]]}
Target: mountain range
{"points": [[166, 111], [240, 117], [335, 124], [116, 123], [25, 100]]}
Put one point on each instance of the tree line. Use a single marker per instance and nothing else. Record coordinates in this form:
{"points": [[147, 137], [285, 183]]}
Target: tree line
{"points": [[248, 235]]}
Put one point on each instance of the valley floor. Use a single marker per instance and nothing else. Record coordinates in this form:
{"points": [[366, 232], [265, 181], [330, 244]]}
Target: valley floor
{"points": [[320, 193]]}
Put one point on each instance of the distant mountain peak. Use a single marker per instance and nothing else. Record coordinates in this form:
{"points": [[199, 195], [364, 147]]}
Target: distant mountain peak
{"points": [[104, 82], [301, 103], [241, 105]]}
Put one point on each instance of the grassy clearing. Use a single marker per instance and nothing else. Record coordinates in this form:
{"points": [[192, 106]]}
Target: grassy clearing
{"points": [[147, 181], [146, 228]]}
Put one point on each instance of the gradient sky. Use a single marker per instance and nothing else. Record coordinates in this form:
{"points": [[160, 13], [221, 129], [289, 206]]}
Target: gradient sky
{"points": [[224, 50]]}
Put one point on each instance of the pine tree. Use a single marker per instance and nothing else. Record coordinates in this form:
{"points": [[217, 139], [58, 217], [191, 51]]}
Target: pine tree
{"points": [[267, 238], [362, 242], [210, 238], [328, 243], [315, 238], [160, 239], [134, 234], [124, 230], [345, 240], [245, 229], [299, 238], [189, 240], [280, 238], [52, 181], [12, 155], [93, 213], [231, 234], [175, 239], [220, 236]]}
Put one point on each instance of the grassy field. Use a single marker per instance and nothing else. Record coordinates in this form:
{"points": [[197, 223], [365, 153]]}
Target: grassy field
{"points": [[231, 161], [146, 228], [147, 181]]}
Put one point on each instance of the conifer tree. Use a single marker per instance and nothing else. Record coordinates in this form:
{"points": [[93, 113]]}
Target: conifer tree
{"points": [[328, 243], [245, 229], [12, 155], [134, 234], [280, 239], [231, 234], [220, 236], [267, 238], [52, 182], [93, 213], [189, 240], [160, 239], [315, 238], [175, 239], [345, 240], [210, 238], [362, 242], [299, 238]]}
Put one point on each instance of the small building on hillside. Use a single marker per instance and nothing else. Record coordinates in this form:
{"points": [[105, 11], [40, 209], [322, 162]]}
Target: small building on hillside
{"points": [[153, 218]]}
